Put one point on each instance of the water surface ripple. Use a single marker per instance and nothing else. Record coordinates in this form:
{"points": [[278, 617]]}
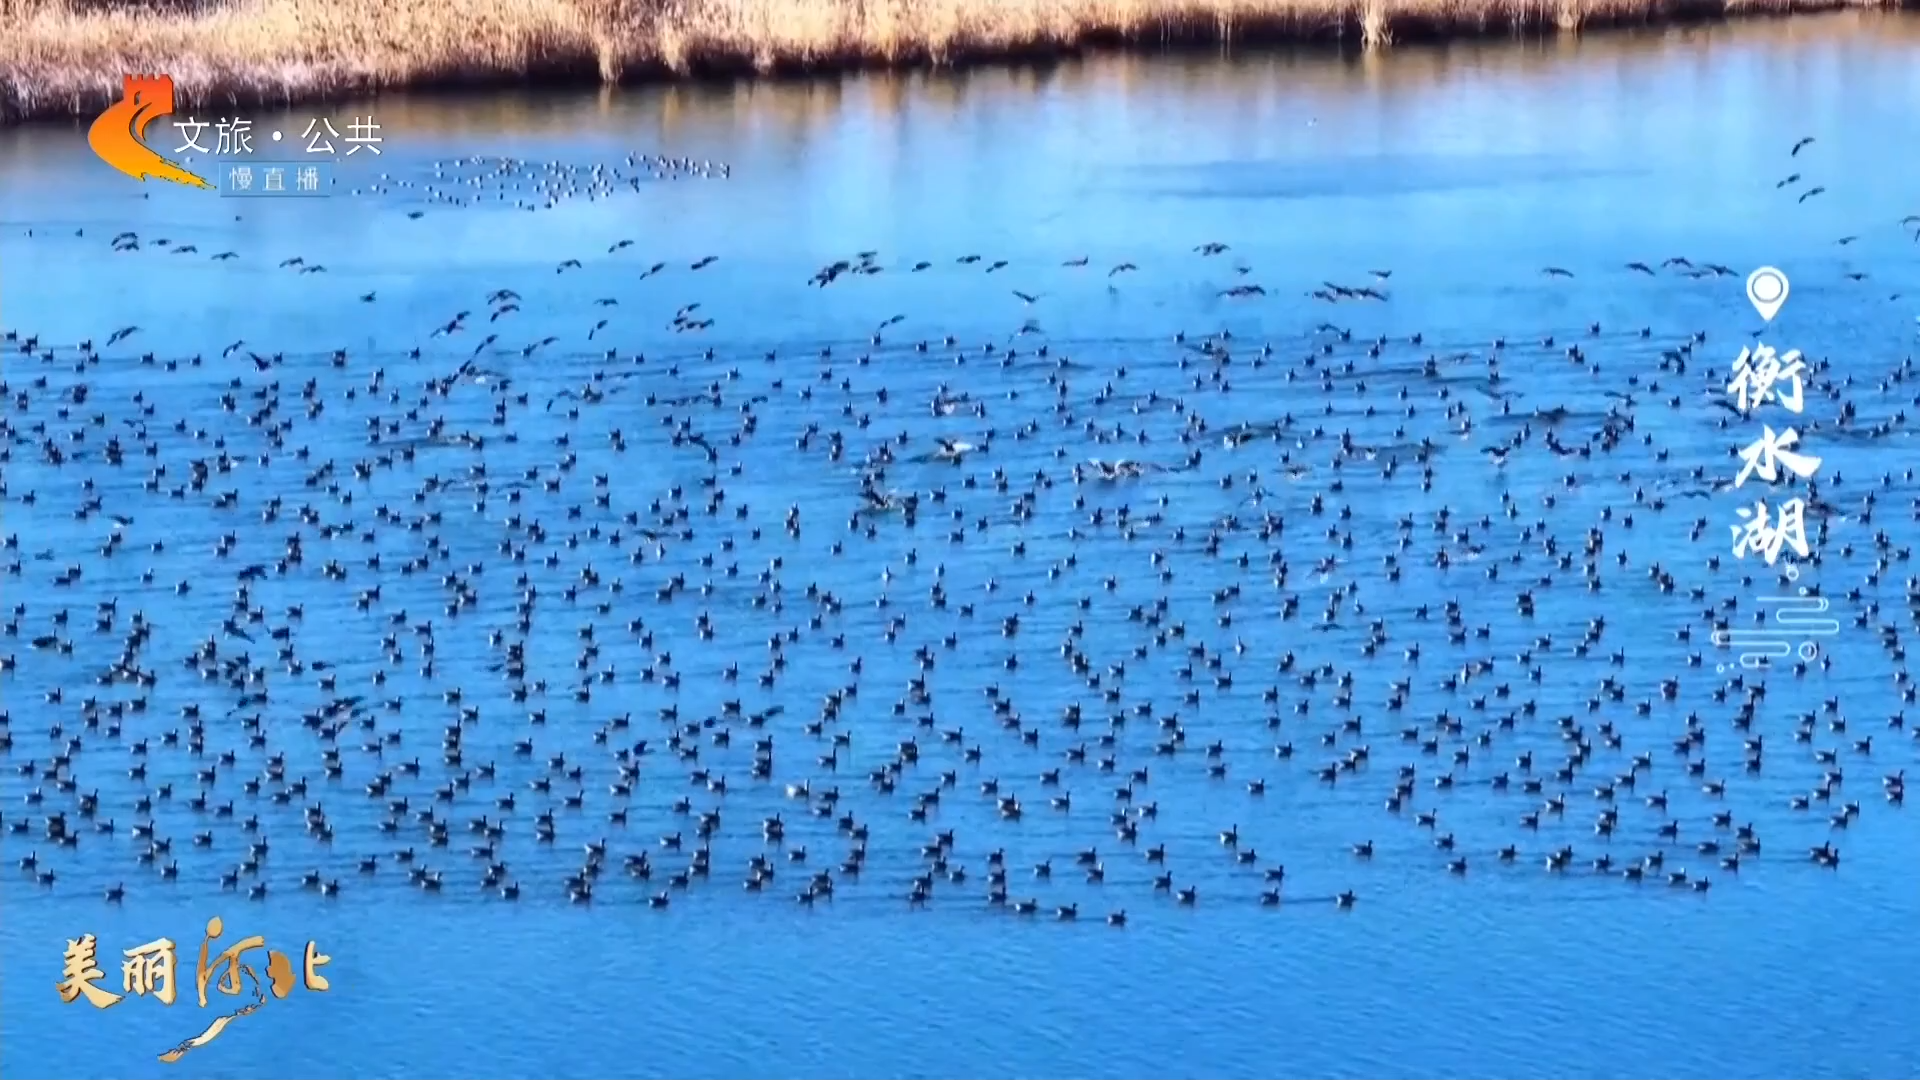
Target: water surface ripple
{"points": [[1430, 574]]}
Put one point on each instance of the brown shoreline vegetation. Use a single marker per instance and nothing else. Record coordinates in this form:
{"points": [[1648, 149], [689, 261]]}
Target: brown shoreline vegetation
{"points": [[65, 58]]}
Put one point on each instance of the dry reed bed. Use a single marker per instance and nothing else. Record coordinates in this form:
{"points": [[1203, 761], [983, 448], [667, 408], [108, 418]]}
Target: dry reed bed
{"points": [[65, 58]]}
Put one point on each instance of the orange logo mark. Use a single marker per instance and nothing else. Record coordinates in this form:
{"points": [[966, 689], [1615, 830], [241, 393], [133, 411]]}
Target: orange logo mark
{"points": [[119, 135]]}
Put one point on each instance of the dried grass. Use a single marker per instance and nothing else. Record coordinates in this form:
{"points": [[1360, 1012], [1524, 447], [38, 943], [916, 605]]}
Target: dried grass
{"points": [[66, 57]]}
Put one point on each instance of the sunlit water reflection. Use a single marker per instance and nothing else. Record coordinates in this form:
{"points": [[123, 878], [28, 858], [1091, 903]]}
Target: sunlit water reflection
{"points": [[1463, 170]]}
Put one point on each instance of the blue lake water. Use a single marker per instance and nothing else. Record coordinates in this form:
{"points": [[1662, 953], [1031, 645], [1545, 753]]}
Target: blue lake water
{"points": [[1344, 583]]}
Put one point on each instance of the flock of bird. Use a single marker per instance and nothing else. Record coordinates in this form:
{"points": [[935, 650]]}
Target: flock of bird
{"points": [[1006, 621]]}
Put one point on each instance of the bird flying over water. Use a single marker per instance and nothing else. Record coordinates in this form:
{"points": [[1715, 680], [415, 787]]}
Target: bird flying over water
{"points": [[487, 465]]}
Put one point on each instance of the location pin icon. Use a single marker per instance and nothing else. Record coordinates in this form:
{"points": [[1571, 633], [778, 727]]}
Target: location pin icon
{"points": [[1767, 290]]}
